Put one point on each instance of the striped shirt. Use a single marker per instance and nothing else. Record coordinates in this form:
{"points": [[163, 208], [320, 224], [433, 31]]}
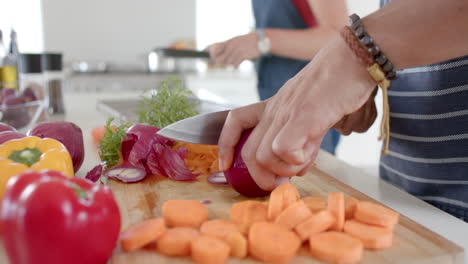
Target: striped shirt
{"points": [[428, 152]]}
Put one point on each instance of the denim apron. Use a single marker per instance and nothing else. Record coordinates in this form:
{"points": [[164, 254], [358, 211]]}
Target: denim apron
{"points": [[428, 151], [273, 71]]}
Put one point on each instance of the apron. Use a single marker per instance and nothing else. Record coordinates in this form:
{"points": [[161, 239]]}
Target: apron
{"points": [[273, 71], [428, 151]]}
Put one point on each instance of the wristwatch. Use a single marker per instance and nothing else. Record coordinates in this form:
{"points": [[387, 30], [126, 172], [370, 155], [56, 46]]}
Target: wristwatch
{"points": [[263, 43]]}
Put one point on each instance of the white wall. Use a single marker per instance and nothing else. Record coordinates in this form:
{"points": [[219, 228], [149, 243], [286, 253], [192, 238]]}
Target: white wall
{"points": [[115, 30]]}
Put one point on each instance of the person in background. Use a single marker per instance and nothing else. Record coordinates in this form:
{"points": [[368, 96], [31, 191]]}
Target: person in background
{"points": [[289, 34], [427, 154]]}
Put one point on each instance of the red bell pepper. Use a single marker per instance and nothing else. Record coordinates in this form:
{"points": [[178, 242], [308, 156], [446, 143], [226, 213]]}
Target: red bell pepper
{"points": [[48, 218]]}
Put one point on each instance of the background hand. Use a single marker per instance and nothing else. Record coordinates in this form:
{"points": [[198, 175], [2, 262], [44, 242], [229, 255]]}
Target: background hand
{"points": [[235, 51]]}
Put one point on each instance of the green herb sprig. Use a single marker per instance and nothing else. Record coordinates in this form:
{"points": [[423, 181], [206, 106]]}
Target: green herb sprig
{"points": [[111, 142], [171, 102]]}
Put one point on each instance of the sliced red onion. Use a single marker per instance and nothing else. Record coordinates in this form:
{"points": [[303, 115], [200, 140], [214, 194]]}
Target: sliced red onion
{"points": [[217, 178], [171, 163], [95, 173], [206, 201], [126, 174]]}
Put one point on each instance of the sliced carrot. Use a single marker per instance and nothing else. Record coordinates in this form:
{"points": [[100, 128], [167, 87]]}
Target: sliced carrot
{"points": [[295, 214], [209, 250], [188, 213], [238, 244], [336, 208], [315, 204], [272, 243], [375, 214], [350, 206], [336, 247], [315, 224], [372, 237], [98, 132], [218, 228], [176, 241], [281, 197], [245, 213], [141, 234], [200, 158]]}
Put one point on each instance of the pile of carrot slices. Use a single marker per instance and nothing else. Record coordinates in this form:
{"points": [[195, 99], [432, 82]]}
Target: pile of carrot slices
{"points": [[335, 230], [202, 159]]}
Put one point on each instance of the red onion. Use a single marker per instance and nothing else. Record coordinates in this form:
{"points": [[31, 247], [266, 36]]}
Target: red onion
{"points": [[9, 135], [125, 173], [95, 173], [6, 127], [66, 132], [238, 175], [217, 178]]}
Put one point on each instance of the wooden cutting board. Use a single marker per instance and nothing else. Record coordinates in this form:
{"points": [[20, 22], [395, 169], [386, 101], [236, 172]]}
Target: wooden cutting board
{"points": [[413, 243]]}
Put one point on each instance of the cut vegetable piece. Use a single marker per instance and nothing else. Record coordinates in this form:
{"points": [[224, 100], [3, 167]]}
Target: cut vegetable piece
{"points": [[139, 235], [238, 244], [315, 204], [125, 173], [350, 206], [209, 250], [336, 247], [272, 243], [188, 213], [176, 241], [281, 197], [315, 224], [336, 208], [217, 178], [295, 214], [375, 214], [245, 213], [372, 237], [218, 228]]}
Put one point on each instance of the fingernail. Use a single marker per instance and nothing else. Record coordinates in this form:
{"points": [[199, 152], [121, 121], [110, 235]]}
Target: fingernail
{"points": [[299, 155], [221, 165]]}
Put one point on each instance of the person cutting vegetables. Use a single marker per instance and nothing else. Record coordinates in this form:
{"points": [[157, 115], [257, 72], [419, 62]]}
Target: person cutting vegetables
{"points": [[282, 29], [424, 123]]}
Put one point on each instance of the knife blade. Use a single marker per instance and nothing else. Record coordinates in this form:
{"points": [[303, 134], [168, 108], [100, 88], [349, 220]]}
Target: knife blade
{"points": [[199, 129]]}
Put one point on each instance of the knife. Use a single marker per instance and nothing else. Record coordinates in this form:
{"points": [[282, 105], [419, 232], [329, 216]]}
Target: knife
{"points": [[200, 129]]}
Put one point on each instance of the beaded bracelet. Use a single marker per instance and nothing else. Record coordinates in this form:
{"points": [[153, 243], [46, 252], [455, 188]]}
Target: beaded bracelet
{"points": [[377, 64]]}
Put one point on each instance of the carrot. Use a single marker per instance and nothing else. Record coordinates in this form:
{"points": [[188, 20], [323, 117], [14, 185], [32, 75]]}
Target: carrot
{"points": [[295, 214], [176, 241], [209, 250], [375, 214], [336, 208], [237, 243], [184, 213], [315, 204], [98, 132], [336, 247], [200, 158], [272, 243], [139, 235], [372, 237], [315, 224], [218, 228], [245, 213], [350, 206], [281, 197]]}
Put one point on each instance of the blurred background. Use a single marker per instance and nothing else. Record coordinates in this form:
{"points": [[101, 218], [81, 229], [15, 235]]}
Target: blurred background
{"points": [[117, 46]]}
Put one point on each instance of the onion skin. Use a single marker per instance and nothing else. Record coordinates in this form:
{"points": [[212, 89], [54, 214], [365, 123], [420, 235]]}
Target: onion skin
{"points": [[238, 176], [67, 133]]}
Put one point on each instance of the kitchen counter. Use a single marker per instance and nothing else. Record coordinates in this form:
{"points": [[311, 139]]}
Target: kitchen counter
{"points": [[81, 109]]}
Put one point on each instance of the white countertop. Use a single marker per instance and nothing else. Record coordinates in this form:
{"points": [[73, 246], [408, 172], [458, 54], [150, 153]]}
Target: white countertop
{"points": [[81, 109]]}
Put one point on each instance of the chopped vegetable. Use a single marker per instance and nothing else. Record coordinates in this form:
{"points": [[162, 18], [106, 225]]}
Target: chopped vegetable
{"points": [[95, 173], [350, 206], [315, 204], [372, 237], [238, 175], [375, 214], [110, 144], [336, 208], [141, 234], [217, 178], [126, 173], [280, 199], [67, 133], [336, 247], [201, 159], [246, 213], [315, 224], [169, 103], [184, 213], [238, 244], [218, 228], [272, 243], [295, 214], [176, 241], [209, 250]]}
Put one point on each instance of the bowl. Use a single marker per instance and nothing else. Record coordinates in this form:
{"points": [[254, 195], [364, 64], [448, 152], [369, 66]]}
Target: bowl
{"points": [[22, 116]]}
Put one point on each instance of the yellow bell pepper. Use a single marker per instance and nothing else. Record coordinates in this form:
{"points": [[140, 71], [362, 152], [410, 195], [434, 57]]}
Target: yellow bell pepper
{"points": [[32, 153]]}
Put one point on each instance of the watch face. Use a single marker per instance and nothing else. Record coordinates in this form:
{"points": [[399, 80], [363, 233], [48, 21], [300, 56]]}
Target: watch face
{"points": [[264, 46]]}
